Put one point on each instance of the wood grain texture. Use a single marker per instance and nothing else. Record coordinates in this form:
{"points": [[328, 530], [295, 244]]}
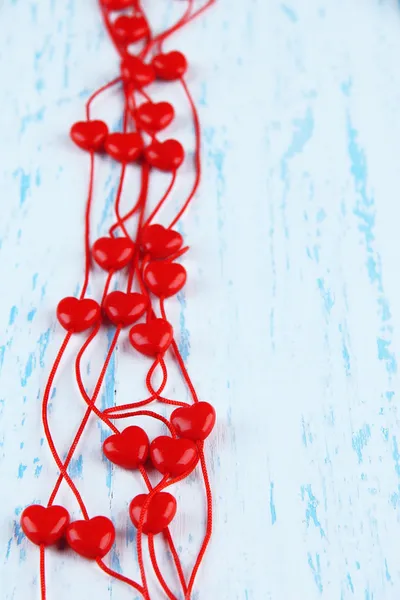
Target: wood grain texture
{"points": [[289, 324]]}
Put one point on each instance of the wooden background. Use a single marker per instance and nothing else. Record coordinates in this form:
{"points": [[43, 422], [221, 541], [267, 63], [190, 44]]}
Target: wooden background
{"points": [[289, 324]]}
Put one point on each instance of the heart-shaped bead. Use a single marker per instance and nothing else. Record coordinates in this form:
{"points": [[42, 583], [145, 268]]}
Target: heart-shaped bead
{"points": [[89, 135], [43, 525], [164, 278], [112, 254], [154, 116], [173, 456], [119, 4], [124, 308], [77, 315], [130, 29], [128, 449], [152, 338], [170, 66], [194, 422], [166, 156], [160, 242], [137, 72], [124, 147], [158, 514], [93, 538]]}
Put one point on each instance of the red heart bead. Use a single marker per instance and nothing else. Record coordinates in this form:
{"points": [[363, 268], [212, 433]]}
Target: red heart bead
{"points": [[137, 72], [154, 116], [124, 308], [166, 156], [164, 278], [43, 525], [77, 315], [128, 449], [92, 538], [119, 4], [151, 338], [160, 242], [194, 422], [130, 29], [113, 254], [173, 456], [89, 135], [124, 147], [158, 514], [170, 66]]}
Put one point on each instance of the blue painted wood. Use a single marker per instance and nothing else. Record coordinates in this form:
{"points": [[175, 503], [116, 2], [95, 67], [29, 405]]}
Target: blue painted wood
{"points": [[289, 323]]}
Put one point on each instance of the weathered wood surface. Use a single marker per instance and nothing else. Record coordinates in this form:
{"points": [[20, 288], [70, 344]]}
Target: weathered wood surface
{"points": [[290, 321]]}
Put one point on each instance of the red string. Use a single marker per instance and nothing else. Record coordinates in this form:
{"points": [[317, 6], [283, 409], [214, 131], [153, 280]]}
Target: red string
{"points": [[42, 572], [197, 155], [168, 537], [155, 394], [120, 577], [150, 541], [163, 199], [98, 92], [209, 524], [171, 543]]}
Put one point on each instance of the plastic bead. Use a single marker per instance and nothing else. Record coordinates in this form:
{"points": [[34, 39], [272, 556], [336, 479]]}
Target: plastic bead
{"points": [[154, 116], [173, 456], [171, 65], [164, 278], [44, 525], [158, 514], [160, 242], [194, 422], [112, 254], [128, 449], [166, 156], [137, 72], [124, 147], [131, 29], [152, 338], [124, 308], [77, 315], [91, 539], [89, 135]]}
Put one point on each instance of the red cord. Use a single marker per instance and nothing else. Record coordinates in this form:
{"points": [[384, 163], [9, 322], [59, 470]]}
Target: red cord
{"points": [[155, 394], [120, 577], [168, 537], [43, 572], [197, 155], [163, 583]]}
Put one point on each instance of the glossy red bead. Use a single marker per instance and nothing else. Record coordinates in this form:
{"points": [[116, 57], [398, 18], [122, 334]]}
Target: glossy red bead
{"points": [[154, 116], [194, 422], [91, 539], [128, 449], [166, 156], [152, 338], [160, 242], [164, 278], [44, 525], [173, 456], [130, 29], [119, 4], [77, 315], [124, 308], [89, 135], [137, 72], [170, 66], [112, 254], [158, 514], [124, 147]]}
